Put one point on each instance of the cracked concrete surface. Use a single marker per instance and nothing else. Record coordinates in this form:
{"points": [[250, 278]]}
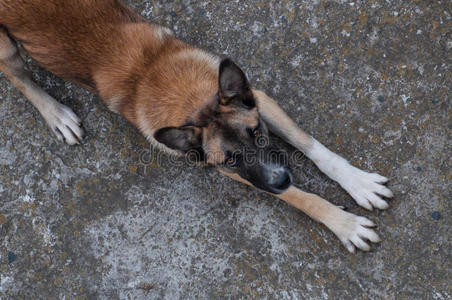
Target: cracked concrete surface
{"points": [[370, 79]]}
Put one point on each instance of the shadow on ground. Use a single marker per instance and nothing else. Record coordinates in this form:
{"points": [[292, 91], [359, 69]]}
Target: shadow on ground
{"points": [[370, 79]]}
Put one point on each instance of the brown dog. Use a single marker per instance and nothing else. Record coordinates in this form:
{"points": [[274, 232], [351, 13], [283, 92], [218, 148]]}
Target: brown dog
{"points": [[181, 98]]}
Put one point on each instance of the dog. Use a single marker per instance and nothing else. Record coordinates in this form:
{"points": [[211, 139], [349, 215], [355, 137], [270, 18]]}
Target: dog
{"points": [[181, 98]]}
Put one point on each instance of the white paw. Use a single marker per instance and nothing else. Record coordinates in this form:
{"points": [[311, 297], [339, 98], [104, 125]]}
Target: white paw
{"points": [[366, 188], [355, 232], [64, 123]]}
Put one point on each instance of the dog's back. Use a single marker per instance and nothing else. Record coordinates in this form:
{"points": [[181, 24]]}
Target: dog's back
{"points": [[64, 36]]}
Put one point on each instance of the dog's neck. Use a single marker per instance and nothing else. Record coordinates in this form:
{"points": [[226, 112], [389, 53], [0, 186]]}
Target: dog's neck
{"points": [[150, 71]]}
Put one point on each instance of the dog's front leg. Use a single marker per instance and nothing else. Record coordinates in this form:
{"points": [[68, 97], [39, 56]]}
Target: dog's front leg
{"points": [[353, 231], [364, 187]]}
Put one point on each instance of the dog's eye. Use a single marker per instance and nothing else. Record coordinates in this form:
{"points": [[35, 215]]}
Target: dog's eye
{"points": [[231, 162], [256, 132]]}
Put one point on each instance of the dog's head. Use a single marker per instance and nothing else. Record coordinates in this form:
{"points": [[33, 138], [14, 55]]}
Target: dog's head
{"points": [[230, 134]]}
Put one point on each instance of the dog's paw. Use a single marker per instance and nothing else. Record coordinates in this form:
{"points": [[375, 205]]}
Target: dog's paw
{"points": [[65, 124], [366, 188], [355, 232]]}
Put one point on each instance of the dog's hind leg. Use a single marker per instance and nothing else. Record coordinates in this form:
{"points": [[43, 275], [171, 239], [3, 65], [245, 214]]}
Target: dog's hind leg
{"points": [[364, 187], [353, 231], [61, 119]]}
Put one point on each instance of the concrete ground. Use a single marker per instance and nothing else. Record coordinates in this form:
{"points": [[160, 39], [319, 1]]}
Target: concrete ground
{"points": [[370, 79]]}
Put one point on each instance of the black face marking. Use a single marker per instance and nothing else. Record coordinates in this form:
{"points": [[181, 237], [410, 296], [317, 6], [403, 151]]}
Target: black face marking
{"points": [[262, 165]]}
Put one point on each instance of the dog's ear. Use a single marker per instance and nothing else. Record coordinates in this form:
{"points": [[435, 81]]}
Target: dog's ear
{"points": [[182, 139], [233, 84]]}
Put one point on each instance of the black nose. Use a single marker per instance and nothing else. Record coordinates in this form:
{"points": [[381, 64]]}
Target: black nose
{"points": [[281, 179]]}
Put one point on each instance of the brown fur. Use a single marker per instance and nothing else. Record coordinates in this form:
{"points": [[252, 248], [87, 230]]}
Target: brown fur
{"points": [[106, 47]]}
